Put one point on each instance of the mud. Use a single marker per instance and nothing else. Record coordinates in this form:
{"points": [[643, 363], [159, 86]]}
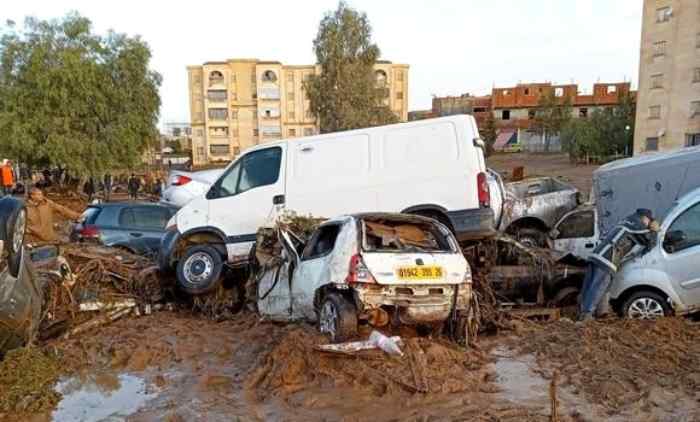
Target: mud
{"points": [[27, 376]]}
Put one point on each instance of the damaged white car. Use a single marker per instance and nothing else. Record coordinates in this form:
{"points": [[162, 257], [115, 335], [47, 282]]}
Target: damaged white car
{"points": [[369, 268]]}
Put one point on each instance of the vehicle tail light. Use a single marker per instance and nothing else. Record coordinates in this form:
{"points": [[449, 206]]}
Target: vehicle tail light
{"points": [[482, 186], [90, 232], [181, 180], [359, 273]]}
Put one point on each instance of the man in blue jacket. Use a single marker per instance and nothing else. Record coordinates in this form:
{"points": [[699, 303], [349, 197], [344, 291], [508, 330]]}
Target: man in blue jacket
{"points": [[631, 237]]}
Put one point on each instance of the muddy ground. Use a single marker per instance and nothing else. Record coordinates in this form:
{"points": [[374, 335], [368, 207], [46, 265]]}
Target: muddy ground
{"points": [[176, 366], [555, 165]]}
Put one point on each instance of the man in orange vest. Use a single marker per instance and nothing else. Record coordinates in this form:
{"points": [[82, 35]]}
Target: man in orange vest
{"points": [[7, 177]]}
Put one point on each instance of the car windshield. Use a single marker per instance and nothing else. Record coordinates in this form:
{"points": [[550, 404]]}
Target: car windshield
{"points": [[387, 235]]}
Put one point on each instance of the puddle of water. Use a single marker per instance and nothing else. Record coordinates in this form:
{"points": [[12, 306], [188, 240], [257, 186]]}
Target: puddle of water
{"points": [[517, 382], [101, 397]]}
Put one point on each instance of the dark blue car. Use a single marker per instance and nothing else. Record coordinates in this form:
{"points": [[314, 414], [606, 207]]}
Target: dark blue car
{"points": [[133, 226]]}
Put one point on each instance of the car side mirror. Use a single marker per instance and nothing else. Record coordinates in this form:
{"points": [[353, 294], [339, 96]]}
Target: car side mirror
{"points": [[213, 192], [673, 239]]}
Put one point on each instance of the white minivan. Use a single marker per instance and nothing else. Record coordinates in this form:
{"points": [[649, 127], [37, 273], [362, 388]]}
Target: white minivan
{"points": [[432, 167]]}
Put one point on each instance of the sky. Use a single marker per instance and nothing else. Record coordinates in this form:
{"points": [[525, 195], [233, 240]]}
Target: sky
{"points": [[452, 46]]}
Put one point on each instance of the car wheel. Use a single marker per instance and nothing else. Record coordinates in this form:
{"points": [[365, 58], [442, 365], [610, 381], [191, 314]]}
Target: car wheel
{"points": [[15, 227], [532, 238], [199, 270], [337, 318], [646, 305]]}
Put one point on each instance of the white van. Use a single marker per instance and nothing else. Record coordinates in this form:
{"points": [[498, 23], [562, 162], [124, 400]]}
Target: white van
{"points": [[431, 167]]}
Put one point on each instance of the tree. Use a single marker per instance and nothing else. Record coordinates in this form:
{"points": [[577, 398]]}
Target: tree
{"points": [[345, 94], [606, 132], [489, 134], [551, 115], [74, 99]]}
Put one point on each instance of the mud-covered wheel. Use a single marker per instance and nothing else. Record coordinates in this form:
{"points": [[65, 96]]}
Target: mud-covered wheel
{"points": [[199, 270], [531, 237], [337, 318], [645, 305], [14, 216]]}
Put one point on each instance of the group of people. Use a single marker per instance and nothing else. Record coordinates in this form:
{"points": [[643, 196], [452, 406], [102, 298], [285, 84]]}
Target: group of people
{"points": [[8, 177], [134, 184]]}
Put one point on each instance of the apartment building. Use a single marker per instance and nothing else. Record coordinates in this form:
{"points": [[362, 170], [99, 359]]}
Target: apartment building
{"points": [[239, 103], [668, 105]]}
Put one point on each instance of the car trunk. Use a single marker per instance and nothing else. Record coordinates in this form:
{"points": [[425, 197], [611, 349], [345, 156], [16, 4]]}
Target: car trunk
{"points": [[415, 252]]}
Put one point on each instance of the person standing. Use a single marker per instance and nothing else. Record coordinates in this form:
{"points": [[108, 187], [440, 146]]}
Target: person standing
{"points": [[108, 186], [89, 188], [629, 238], [40, 221], [7, 176], [133, 186]]}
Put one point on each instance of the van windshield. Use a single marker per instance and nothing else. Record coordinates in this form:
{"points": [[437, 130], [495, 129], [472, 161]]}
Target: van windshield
{"points": [[386, 235]]}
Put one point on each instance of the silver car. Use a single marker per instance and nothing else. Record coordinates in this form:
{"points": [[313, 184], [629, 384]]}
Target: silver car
{"points": [[666, 280]]}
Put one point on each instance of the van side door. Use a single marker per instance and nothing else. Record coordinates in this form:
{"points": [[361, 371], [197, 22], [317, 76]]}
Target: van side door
{"points": [[245, 196], [680, 245]]}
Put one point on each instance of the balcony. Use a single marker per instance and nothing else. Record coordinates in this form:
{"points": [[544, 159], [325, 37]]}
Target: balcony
{"points": [[217, 96]]}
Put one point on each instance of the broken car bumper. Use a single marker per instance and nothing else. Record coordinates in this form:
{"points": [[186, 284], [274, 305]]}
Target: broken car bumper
{"points": [[167, 246], [414, 304], [473, 224]]}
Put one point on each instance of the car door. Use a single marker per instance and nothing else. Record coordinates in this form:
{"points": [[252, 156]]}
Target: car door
{"points": [[249, 193], [274, 287], [576, 233], [681, 258], [141, 227], [314, 269]]}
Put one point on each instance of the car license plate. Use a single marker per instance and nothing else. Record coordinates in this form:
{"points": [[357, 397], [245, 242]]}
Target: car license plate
{"points": [[419, 273]]}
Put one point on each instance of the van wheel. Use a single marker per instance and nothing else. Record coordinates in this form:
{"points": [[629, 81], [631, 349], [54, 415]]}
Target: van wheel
{"points": [[645, 304], [199, 270], [337, 318]]}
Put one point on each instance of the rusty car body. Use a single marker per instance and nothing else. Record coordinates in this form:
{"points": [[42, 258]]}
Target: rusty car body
{"points": [[368, 268]]}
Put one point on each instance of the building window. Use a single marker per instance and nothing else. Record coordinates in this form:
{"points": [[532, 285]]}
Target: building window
{"points": [[531, 114], [696, 74], [659, 48], [291, 133], [583, 112], [657, 81], [527, 91], [612, 89], [506, 92], [399, 95], [692, 139], [655, 112], [505, 115], [269, 76], [290, 96], [559, 92], [663, 14], [255, 132], [290, 115], [694, 108], [218, 114], [218, 132], [308, 131], [219, 149], [652, 144], [218, 95], [216, 77]]}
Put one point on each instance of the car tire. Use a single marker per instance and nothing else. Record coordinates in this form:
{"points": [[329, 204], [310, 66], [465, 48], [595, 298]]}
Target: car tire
{"points": [[645, 304], [199, 270], [337, 318], [531, 237], [13, 234]]}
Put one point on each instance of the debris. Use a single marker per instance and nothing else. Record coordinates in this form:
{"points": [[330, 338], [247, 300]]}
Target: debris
{"points": [[27, 378], [98, 321], [353, 346], [387, 344], [106, 306], [554, 409]]}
